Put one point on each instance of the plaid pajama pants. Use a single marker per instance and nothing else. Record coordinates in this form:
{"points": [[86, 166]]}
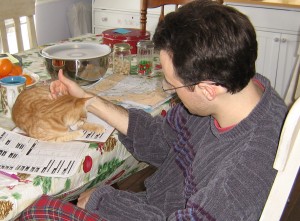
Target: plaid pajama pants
{"points": [[49, 208]]}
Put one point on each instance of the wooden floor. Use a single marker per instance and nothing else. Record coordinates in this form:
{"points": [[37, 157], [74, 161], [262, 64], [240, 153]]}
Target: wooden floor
{"points": [[135, 183]]}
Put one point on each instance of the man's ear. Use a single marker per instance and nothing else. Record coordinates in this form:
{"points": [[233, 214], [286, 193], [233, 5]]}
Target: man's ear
{"points": [[208, 90]]}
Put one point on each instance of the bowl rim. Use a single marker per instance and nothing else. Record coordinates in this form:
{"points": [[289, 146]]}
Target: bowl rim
{"points": [[90, 51]]}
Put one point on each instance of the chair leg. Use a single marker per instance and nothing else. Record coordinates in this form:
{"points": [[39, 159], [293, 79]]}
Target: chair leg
{"points": [[135, 182], [291, 211]]}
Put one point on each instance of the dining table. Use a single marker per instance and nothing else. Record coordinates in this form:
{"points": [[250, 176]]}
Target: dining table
{"points": [[111, 162]]}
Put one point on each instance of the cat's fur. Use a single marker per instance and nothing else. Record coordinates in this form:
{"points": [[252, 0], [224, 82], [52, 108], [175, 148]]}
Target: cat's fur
{"points": [[51, 119]]}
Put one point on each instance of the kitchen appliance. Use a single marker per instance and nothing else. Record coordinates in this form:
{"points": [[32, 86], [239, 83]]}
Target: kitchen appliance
{"points": [[126, 14]]}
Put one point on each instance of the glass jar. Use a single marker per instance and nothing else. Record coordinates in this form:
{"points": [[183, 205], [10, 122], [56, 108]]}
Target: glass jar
{"points": [[121, 58], [145, 50]]}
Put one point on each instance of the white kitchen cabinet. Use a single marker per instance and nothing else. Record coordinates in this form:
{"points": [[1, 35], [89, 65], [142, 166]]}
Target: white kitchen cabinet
{"points": [[286, 61], [278, 36], [277, 57], [268, 45]]}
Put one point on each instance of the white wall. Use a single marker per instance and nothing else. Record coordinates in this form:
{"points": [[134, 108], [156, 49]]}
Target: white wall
{"points": [[52, 21]]}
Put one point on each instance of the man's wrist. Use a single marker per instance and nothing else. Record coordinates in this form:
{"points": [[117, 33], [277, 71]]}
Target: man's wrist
{"points": [[90, 102], [88, 95]]}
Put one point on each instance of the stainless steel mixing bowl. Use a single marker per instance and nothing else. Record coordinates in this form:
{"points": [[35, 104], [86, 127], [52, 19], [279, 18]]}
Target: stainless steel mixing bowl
{"points": [[85, 63]]}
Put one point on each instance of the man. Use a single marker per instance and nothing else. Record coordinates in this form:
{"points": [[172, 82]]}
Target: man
{"points": [[214, 151]]}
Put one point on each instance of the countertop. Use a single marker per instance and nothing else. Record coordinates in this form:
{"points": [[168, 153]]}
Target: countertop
{"points": [[270, 3]]}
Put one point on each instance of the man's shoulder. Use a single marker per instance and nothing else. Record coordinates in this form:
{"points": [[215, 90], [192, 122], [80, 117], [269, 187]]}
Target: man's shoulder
{"points": [[179, 116]]}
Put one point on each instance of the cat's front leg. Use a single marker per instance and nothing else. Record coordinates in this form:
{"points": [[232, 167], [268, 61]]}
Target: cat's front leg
{"points": [[77, 125]]}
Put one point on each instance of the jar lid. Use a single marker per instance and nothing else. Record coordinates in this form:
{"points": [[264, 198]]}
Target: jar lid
{"points": [[145, 44], [122, 46], [134, 34]]}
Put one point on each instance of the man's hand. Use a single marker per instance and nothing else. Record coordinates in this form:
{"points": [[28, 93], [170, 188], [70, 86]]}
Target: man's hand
{"points": [[84, 198], [64, 86]]}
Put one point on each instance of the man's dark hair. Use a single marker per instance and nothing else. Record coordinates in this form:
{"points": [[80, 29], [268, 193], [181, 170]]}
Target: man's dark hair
{"points": [[209, 41]]}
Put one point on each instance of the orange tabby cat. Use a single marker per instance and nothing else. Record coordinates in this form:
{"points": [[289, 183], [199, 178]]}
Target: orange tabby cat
{"points": [[51, 119]]}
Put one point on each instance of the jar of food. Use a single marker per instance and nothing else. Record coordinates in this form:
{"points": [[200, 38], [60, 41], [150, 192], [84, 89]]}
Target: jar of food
{"points": [[121, 58], [145, 50]]}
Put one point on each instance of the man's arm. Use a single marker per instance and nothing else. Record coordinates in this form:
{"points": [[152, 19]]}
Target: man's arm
{"points": [[115, 115]]}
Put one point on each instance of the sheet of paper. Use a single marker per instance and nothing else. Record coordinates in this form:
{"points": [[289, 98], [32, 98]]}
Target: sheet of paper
{"points": [[132, 91], [96, 137], [89, 136], [19, 153], [132, 84]]}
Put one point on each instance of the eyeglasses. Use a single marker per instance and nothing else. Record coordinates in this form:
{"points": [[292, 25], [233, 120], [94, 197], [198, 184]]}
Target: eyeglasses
{"points": [[170, 89]]}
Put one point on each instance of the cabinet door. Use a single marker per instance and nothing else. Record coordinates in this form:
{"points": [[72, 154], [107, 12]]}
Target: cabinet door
{"points": [[268, 50], [286, 62]]}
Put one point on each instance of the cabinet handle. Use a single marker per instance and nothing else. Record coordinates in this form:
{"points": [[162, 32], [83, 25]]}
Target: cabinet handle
{"points": [[276, 39], [283, 40]]}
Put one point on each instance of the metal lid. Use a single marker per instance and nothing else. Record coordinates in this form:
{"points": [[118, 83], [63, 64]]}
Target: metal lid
{"points": [[145, 44], [132, 35], [122, 46]]}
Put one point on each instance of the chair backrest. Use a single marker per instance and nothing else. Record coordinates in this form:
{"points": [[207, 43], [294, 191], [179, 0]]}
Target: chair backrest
{"points": [[14, 9], [287, 162], [145, 4]]}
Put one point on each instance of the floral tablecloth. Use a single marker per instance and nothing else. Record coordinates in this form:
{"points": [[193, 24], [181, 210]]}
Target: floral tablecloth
{"points": [[111, 161]]}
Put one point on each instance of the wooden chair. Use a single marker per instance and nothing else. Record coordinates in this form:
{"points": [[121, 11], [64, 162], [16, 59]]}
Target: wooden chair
{"points": [[14, 9], [145, 4], [287, 162]]}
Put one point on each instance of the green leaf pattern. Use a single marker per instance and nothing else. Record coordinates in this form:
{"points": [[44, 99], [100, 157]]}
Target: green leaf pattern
{"points": [[45, 182], [17, 196], [106, 170]]}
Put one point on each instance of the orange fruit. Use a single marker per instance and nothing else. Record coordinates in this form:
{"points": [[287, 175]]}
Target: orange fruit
{"points": [[16, 70], [29, 79], [5, 67]]}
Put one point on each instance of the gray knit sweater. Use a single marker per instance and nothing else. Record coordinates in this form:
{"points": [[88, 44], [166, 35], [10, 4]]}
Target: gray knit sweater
{"points": [[203, 174]]}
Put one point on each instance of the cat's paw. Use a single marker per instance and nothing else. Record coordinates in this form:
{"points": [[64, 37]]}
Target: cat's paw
{"points": [[72, 135], [99, 130], [93, 127]]}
